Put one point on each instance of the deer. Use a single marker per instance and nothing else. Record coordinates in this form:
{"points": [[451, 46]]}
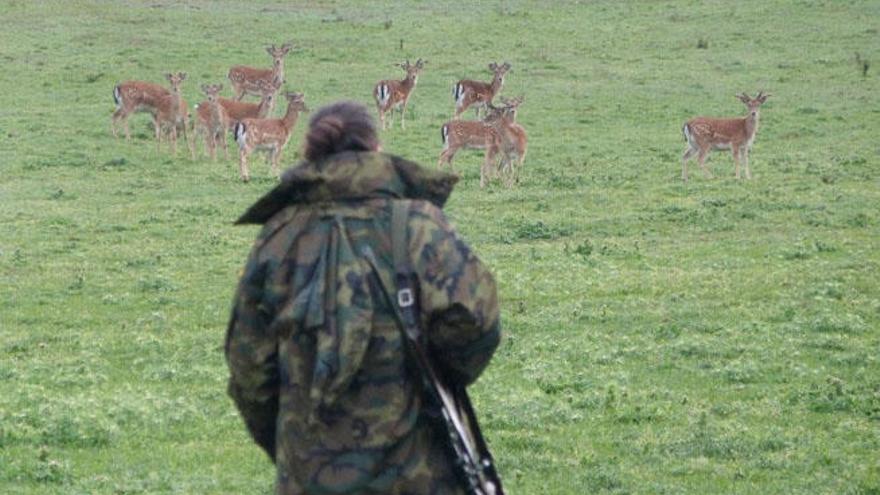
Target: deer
{"points": [[469, 134], [240, 110], [172, 112], [132, 97], [479, 94], [704, 134], [211, 121], [248, 80], [391, 94], [512, 142], [271, 134]]}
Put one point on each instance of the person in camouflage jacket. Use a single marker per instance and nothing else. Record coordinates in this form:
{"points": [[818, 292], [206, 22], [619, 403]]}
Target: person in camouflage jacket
{"points": [[317, 360]]}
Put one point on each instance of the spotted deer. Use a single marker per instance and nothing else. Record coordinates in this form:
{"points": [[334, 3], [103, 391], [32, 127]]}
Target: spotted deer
{"points": [[478, 94], [512, 142], [248, 80], [136, 96], [392, 94], [469, 134], [240, 110], [269, 134], [170, 113], [704, 134], [211, 121]]}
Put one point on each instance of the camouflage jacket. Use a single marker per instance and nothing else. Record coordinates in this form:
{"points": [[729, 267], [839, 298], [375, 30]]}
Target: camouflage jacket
{"points": [[316, 357]]}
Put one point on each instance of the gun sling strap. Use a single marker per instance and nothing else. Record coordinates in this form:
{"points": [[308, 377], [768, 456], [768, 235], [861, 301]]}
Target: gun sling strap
{"points": [[472, 455]]}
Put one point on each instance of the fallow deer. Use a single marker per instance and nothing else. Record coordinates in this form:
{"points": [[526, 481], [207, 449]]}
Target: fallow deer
{"points": [[240, 110], [270, 134], [469, 134], [391, 94], [172, 113], [512, 142], [211, 121], [704, 134], [479, 94], [247, 80], [136, 96]]}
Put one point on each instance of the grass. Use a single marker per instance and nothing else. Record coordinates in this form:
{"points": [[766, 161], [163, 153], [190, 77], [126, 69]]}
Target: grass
{"points": [[710, 337]]}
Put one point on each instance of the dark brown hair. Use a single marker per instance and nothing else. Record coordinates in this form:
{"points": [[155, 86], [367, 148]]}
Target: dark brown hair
{"points": [[342, 126]]}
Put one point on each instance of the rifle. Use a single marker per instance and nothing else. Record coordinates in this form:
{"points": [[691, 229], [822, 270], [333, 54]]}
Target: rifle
{"points": [[472, 457]]}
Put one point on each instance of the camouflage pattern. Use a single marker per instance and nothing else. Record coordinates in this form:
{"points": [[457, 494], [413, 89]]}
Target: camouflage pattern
{"points": [[317, 361]]}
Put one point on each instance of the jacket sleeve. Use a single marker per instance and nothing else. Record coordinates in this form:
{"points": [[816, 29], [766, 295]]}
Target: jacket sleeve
{"points": [[457, 294], [251, 353]]}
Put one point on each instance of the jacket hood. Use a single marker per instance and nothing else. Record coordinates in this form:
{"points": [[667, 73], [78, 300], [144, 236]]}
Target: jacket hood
{"points": [[351, 176]]}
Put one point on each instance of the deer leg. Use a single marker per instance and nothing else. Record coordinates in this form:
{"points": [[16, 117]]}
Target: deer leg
{"points": [[116, 115], [221, 136], [242, 165], [701, 159], [688, 153], [276, 157], [735, 151], [487, 162], [745, 158], [403, 116]]}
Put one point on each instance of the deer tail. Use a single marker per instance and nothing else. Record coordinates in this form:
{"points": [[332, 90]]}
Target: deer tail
{"points": [[117, 96], [240, 133]]}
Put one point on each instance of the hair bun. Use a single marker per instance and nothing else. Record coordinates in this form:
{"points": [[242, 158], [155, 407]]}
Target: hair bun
{"points": [[340, 127]]}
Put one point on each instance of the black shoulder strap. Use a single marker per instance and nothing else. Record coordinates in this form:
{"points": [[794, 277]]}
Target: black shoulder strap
{"points": [[473, 454], [403, 273]]}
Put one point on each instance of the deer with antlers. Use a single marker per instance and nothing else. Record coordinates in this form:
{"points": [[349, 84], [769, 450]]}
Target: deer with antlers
{"points": [[478, 94], [704, 134], [269, 134], [248, 80], [393, 94]]}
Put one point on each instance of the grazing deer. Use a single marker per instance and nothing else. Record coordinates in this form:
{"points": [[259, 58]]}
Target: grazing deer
{"points": [[479, 94], [239, 110], [247, 80], [704, 134], [271, 134], [512, 142], [391, 94], [136, 96], [211, 121], [172, 112]]}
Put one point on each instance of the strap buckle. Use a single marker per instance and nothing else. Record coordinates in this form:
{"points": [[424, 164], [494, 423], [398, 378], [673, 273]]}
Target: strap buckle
{"points": [[405, 298]]}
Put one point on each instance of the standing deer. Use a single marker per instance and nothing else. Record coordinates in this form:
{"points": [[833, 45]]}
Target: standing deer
{"points": [[391, 94], [136, 96], [512, 139], [211, 121], [704, 134], [172, 113], [477, 93], [469, 134], [240, 110], [247, 80], [271, 134]]}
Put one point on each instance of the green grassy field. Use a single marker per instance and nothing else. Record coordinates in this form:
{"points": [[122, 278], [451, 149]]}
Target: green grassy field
{"points": [[719, 336]]}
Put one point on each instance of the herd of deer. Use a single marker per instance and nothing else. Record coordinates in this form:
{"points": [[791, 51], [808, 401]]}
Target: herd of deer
{"points": [[497, 133]]}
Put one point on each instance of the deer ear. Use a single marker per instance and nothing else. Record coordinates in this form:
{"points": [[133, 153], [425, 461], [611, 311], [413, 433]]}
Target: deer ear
{"points": [[181, 75], [493, 66], [507, 65], [219, 88]]}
